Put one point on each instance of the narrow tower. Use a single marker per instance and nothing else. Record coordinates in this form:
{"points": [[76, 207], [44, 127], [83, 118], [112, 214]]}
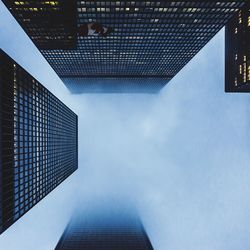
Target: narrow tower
{"points": [[38, 141], [237, 75], [105, 229]]}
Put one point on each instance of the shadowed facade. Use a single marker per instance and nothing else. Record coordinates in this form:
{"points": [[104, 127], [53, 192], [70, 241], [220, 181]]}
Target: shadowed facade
{"points": [[105, 84], [237, 54], [105, 229], [151, 39], [38, 141]]}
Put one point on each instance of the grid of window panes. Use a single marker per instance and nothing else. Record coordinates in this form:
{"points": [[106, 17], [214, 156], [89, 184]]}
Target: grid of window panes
{"points": [[238, 52], [45, 141], [50, 24], [6, 142], [149, 38], [148, 85], [114, 234]]}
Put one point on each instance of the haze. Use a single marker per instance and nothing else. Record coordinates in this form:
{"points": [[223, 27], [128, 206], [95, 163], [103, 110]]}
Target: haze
{"points": [[181, 156]]}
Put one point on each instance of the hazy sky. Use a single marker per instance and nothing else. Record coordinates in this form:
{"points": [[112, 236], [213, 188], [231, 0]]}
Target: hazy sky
{"points": [[182, 156]]}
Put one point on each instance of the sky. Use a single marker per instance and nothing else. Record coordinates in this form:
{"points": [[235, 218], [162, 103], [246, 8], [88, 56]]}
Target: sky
{"points": [[181, 157]]}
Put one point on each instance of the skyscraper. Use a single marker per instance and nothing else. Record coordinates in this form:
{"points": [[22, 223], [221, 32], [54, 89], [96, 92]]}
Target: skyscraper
{"points": [[38, 141], [104, 230], [50, 24], [237, 75], [151, 40]]}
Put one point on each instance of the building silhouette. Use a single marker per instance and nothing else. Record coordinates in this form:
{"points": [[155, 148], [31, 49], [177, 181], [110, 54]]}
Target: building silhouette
{"points": [[237, 75], [104, 230], [38, 141], [151, 40]]}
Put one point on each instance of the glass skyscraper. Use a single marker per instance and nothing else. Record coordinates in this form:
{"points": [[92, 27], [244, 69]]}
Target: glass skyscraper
{"points": [[104, 230], [151, 40], [50, 24], [237, 77], [38, 141]]}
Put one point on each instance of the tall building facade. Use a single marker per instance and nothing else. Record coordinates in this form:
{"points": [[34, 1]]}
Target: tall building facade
{"points": [[50, 24], [151, 39], [38, 141], [237, 54], [104, 230]]}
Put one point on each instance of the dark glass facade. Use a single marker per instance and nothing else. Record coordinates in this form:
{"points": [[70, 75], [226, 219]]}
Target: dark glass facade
{"points": [[151, 39], [50, 24], [104, 231], [38, 141], [150, 85], [237, 61]]}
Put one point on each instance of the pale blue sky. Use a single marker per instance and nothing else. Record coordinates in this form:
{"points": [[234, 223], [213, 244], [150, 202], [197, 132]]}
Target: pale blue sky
{"points": [[182, 156]]}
